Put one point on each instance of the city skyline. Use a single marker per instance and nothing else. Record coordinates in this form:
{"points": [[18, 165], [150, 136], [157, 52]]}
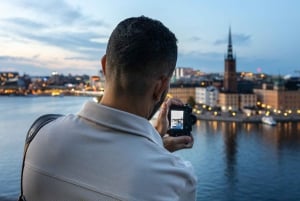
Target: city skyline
{"points": [[39, 37]]}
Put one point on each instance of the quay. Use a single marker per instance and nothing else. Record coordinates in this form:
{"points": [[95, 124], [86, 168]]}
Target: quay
{"points": [[242, 118]]}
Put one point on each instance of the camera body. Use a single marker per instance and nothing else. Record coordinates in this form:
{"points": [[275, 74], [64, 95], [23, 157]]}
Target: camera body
{"points": [[181, 120]]}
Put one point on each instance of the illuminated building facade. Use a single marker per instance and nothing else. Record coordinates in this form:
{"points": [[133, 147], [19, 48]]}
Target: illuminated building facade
{"points": [[207, 95], [183, 93]]}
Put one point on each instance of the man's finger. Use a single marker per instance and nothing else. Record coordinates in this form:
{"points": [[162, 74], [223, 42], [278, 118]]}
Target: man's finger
{"points": [[182, 140]]}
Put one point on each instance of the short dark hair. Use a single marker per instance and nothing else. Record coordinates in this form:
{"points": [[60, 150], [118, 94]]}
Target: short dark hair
{"points": [[140, 48]]}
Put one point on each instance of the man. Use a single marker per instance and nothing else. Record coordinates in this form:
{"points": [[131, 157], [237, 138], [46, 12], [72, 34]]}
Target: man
{"points": [[110, 151]]}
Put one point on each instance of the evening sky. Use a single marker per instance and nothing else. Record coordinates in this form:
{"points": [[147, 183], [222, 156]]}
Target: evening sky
{"points": [[70, 36]]}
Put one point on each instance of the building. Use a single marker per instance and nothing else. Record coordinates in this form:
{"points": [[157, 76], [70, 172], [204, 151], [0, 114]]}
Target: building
{"points": [[229, 101], [229, 98], [181, 72], [278, 98], [235, 95], [230, 80], [207, 95], [247, 100], [184, 93]]}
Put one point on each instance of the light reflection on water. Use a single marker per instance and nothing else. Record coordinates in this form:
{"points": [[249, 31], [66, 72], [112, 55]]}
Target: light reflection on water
{"points": [[233, 161], [236, 161]]}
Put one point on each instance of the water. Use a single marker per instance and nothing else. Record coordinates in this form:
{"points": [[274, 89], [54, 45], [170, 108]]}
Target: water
{"points": [[233, 161]]}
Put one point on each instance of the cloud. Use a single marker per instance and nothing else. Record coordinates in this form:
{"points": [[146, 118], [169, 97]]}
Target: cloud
{"points": [[85, 42], [72, 40], [237, 39], [38, 66], [13, 59], [204, 61], [195, 38], [81, 58], [55, 8], [25, 23], [60, 13], [58, 24]]}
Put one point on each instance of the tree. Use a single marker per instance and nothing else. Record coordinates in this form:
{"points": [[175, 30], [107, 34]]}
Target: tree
{"points": [[191, 101]]}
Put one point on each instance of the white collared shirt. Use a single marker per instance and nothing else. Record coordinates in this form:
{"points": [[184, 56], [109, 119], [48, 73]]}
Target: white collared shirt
{"points": [[104, 154]]}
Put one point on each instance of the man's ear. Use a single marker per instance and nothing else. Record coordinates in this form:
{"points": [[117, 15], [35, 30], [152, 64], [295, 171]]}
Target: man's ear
{"points": [[103, 63], [161, 86]]}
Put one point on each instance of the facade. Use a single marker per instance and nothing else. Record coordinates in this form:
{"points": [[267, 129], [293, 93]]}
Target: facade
{"points": [[279, 99], [207, 95], [247, 100], [182, 93], [181, 72], [8, 76], [229, 101]]}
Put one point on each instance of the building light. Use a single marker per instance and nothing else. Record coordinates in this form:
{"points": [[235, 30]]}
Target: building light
{"points": [[285, 114], [290, 111], [248, 114], [169, 95]]}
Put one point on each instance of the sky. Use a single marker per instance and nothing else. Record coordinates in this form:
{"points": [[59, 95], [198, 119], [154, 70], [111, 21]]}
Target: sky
{"points": [[38, 37]]}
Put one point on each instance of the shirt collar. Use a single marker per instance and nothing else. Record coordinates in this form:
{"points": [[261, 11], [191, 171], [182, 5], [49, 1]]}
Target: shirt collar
{"points": [[120, 120]]}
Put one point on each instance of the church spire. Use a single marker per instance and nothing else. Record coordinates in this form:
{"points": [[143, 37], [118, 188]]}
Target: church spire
{"points": [[229, 49]]}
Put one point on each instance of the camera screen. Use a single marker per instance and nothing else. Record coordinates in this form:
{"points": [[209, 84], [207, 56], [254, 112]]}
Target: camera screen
{"points": [[177, 119]]}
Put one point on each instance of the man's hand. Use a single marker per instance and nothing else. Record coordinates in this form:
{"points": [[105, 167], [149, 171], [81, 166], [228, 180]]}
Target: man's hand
{"points": [[162, 124], [176, 143]]}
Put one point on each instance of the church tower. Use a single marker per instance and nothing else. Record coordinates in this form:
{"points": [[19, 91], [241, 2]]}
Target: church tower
{"points": [[230, 82]]}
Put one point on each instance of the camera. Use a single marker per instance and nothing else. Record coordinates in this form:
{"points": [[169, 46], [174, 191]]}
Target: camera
{"points": [[181, 120]]}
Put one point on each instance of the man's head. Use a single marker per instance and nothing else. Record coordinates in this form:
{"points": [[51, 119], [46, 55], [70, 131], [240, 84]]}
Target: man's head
{"points": [[139, 51]]}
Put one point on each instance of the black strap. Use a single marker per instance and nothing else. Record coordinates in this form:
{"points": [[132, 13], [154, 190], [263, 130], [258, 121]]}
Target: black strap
{"points": [[33, 130]]}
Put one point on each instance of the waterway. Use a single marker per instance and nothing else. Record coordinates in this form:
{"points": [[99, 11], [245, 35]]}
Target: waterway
{"points": [[233, 161]]}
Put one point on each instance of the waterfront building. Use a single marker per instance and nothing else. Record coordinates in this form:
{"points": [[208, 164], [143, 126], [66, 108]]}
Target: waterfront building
{"points": [[183, 92], [230, 79], [207, 95], [229, 101], [10, 83], [96, 83], [229, 98], [235, 95], [8, 77], [278, 97]]}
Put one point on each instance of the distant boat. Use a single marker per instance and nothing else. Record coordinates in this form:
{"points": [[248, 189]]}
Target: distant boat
{"points": [[268, 120]]}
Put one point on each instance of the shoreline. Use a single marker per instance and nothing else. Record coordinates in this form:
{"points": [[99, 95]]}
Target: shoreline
{"points": [[242, 118]]}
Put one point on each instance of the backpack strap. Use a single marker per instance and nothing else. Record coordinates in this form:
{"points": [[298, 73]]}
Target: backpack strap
{"points": [[33, 130]]}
